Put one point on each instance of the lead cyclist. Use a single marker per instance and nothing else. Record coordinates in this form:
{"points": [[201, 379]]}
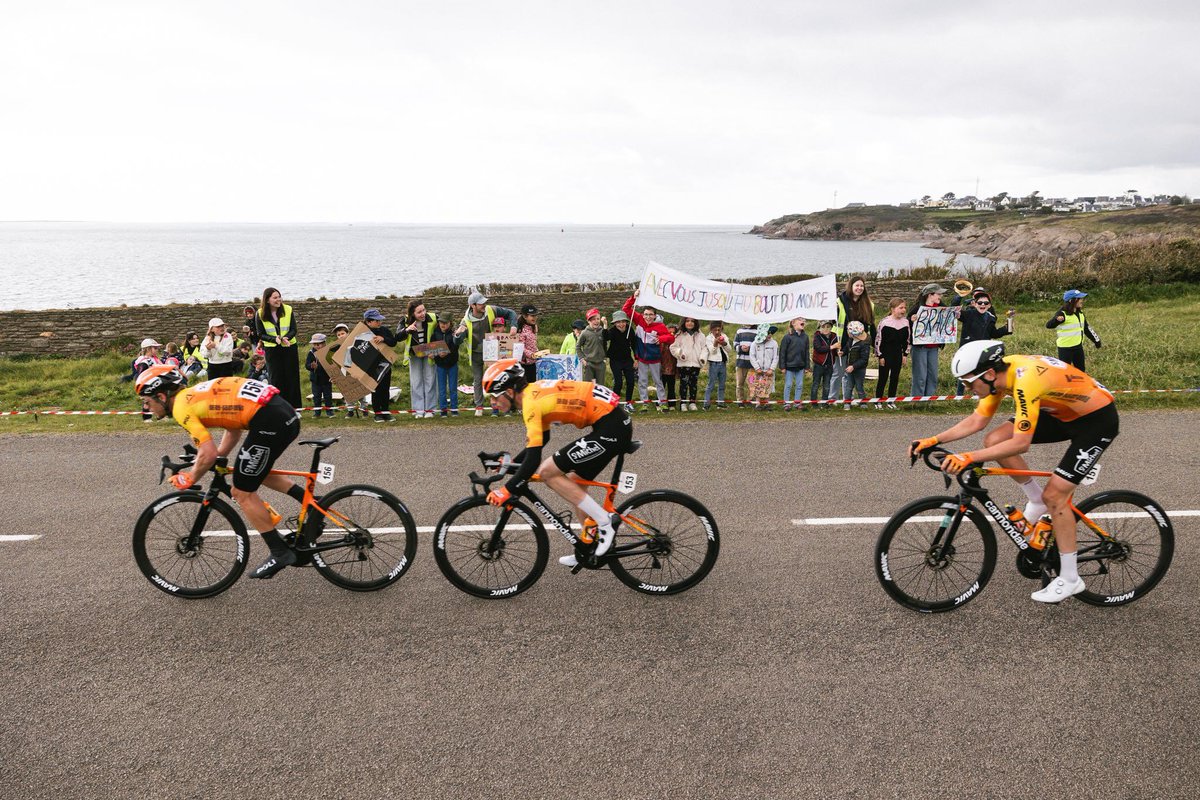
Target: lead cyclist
{"points": [[1055, 402]]}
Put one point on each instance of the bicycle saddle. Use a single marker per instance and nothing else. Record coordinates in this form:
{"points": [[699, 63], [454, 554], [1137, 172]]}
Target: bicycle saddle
{"points": [[321, 444]]}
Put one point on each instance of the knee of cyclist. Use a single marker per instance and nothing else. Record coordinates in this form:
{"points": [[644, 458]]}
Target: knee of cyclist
{"points": [[1055, 497], [240, 495]]}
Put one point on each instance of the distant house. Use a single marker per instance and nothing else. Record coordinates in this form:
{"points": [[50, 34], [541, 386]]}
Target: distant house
{"points": [[856, 205]]}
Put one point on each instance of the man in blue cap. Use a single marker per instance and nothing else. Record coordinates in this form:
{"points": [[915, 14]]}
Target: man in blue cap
{"points": [[1072, 326], [381, 398]]}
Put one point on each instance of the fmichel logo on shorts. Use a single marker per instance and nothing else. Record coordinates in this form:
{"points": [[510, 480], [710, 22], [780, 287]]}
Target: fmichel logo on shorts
{"points": [[1085, 458], [583, 450], [252, 460]]}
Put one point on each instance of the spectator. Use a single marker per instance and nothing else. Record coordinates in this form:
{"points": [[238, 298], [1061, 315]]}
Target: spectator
{"points": [[217, 349], [446, 366], [194, 364], [417, 328], [570, 342], [259, 371], [650, 335], [764, 359], [618, 343], [719, 353], [381, 397], [690, 350], [318, 378], [925, 356], [147, 358], [479, 321], [854, 304], [172, 356], [858, 355], [527, 335], [794, 361], [891, 347], [669, 369], [591, 347], [359, 407], [1072, 327], [825, 350], [241, 355], [249, 326], [277, 328], [742, 341], [977, 320]]}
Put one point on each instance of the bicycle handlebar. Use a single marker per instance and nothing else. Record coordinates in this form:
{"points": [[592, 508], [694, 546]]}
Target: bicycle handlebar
{"points": [[186, 460]]}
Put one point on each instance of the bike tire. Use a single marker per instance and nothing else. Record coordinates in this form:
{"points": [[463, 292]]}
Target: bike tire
{"points": [[1141, 553], [904, 561], [379, 548], [163, 556], [681, 551], [460, 548]]}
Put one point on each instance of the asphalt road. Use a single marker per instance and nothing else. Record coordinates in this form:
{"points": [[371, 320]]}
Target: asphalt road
{"points": [[786, 673]]}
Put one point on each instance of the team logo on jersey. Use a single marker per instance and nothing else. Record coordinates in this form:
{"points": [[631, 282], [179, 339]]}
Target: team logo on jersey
{"points": [[252, 460], [1024, 426], [583, 450], [1085, 458]]}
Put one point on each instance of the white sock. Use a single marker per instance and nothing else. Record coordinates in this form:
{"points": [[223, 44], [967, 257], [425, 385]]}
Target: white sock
{"points": [[596, 511], [1035, 508], [1068, 569]]}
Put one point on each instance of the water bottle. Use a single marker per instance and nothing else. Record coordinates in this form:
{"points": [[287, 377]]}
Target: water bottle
{"points": [[1016, 517], [1041, 531], [588, 530]]}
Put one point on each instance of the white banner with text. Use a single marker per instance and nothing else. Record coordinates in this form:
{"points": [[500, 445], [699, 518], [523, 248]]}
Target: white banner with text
{"points": [[685, 295]]}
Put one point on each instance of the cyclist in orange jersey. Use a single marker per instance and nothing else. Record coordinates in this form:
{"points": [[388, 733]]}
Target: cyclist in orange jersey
{"points": [[1055, 402], [578, 403], [237, 405]]}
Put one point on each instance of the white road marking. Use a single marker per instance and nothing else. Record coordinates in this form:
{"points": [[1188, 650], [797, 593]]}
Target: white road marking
{"points": [[23, 537], [817, 521]]}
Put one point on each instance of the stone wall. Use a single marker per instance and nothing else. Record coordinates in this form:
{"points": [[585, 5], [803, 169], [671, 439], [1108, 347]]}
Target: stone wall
{"points": [[80, 331]]}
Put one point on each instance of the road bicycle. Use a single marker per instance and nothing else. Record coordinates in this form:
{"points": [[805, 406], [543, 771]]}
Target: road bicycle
{"points": [[929, 559], [666, 541], [194, 544]]}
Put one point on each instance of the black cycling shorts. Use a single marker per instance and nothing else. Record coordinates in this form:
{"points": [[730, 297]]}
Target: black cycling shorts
{"points": [[590, 453], [272, 428], [1089, 435]]}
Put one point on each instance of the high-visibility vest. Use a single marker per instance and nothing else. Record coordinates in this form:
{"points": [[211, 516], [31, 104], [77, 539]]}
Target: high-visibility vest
{"points": [[429, 326], [272, 332], [489, 313], [1070, 332]]}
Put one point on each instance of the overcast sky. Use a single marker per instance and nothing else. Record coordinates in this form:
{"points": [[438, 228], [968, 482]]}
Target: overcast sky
{"points": [[597, 112]]}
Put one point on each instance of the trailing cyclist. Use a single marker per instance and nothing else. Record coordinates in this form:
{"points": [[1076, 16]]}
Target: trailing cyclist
{"points": [[578, 403], [1055, 402], [237, 405]]}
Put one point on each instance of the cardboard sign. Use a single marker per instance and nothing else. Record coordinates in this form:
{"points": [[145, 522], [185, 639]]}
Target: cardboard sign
{"points": [[498, 346], [432, 349], [559, 368], [356, 364], [935, 325]]}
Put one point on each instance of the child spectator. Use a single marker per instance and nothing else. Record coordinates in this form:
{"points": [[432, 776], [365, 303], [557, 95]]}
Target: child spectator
{"points": [[891, 347], [618, 343], [249, 329], [670, 370], [527, 333], [793, 360], [194, 365], [977, 321], [590, 347], [825, 350], [858, 355], [217, 349], [172, 355], [447, 365], [147, 358], [764, 358], [1072, 326], [318, 378], [359, 408], [719, 355], [258, 368], [691, 352], [651, 337], [241, 355], [742, 341], [570, 345]]}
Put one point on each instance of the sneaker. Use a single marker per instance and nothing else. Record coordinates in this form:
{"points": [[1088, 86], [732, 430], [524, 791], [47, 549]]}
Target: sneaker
{"points": [[428, 415], [720, 406], [707, 406], [316, 415], [479, 412], [380, 418], [454, 413], [846, 407], [683, 407], [878, 406], [1058, 590], [692, 407], [445, 413], [663, 408], [892, 406], [330, 413], [568, 561]]}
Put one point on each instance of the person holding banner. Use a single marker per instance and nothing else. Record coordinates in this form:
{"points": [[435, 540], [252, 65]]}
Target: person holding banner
{"points": [[691, 351], [764, 359], [742, 342], [794, 360], [929, 332], [719, 353], [650, 335]]}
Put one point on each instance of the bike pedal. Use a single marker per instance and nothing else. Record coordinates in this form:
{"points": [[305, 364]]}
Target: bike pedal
{"points": [[575, 569]]}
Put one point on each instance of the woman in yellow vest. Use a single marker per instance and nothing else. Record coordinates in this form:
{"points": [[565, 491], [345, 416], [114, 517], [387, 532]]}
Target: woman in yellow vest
{"points": [[277, 329], [1071, 327], [417, 329]]}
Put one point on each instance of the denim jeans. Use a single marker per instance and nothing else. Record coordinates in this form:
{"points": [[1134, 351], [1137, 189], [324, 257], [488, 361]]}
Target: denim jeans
{"points": [[793, 386], [447, 387], [421, 378], [839, 387], [924, 370], [820, 381], [717, 374]]}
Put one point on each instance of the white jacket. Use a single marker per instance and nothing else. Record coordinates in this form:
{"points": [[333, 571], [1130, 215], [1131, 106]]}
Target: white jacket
{"points": [[764, 354], [690, 349], [221, 351], [714, 352]]}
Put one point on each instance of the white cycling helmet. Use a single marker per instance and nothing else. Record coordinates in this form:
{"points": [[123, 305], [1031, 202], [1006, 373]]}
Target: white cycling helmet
{"points": [[975, 358]]}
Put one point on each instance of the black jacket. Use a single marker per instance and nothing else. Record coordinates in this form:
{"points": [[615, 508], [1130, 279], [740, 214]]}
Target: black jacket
{"points": [[793, 351], [975, 326], [452, 341], [858, 354], [619, 346]]}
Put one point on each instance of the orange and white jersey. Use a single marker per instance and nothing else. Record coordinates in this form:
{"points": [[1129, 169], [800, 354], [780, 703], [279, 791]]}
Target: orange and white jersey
{"points": [[1037, 382], [578, 403]]}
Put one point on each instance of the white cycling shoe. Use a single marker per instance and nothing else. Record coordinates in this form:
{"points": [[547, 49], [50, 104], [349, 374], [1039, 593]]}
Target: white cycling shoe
{"points": [[604, 542], [1058, 590]]}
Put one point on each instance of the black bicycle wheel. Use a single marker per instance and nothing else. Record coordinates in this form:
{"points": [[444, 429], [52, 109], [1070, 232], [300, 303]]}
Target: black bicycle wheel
{"points": [[1134, 556], [918, 572], [184, 565], [463, 550], [377, 532], [666, 543]]}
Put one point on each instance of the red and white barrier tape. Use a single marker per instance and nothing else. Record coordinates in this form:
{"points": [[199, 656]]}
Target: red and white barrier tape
{"points": [[729, 404]]}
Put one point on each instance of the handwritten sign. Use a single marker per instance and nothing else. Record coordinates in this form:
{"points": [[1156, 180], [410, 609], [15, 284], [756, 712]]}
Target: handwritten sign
{"points": [[935, 325], [497, 346], [677, 292], [559, 368]]}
